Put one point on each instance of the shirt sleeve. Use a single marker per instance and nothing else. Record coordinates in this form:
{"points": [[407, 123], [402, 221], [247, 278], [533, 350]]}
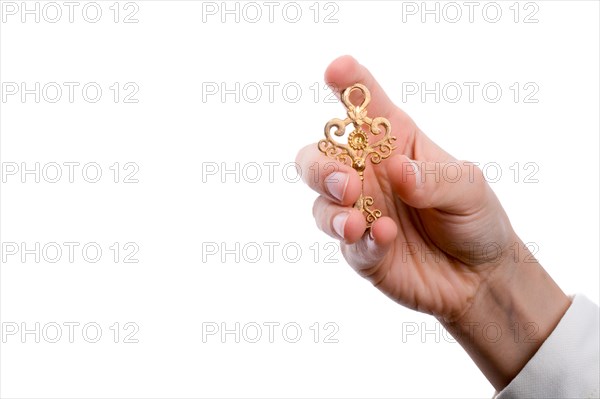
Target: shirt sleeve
{"points": [[567, 363]]}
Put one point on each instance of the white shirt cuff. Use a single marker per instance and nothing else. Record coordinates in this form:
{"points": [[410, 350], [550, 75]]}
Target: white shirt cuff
{"points": [[567, 363]]}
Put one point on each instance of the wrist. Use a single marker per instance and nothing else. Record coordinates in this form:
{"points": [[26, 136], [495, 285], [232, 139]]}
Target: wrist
{"points": [[516, 307]]}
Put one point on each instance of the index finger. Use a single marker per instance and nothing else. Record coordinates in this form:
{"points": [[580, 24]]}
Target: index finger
{"points": [[328, 177]]}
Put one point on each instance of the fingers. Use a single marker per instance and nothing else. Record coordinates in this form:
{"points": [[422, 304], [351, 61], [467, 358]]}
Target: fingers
{"points": [[367, 254], [339, 222], [339, 183], [455, 187], [349, 225]]}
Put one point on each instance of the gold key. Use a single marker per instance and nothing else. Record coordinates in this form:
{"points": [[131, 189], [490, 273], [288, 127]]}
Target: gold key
{"points": [[359, 148]]}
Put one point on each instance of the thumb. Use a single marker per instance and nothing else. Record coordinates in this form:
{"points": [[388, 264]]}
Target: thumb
{"points": [[456, 186]]}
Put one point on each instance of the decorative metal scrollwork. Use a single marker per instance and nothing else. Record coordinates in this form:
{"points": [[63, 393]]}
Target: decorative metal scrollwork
{"points": [[359, 148]]}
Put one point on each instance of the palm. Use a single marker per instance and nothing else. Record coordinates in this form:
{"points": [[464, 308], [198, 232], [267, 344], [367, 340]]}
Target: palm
{"points": [[420, 270]]}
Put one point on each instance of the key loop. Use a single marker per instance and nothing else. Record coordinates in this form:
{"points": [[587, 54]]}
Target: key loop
{"points": [[357, 109]]}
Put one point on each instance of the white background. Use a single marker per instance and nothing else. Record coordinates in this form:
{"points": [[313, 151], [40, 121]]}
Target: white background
{"points": [[174, 52]]}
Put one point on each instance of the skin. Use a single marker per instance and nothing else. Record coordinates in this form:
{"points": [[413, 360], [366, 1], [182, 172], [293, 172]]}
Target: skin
{"points": [[427, 251]]}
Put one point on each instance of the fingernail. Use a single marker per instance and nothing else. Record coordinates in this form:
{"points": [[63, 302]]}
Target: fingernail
{"points": [[336, 184], [339, 222], [416, 172]]}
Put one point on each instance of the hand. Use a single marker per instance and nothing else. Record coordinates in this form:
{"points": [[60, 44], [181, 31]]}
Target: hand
{"points": [[427, 252], [443, 244]]}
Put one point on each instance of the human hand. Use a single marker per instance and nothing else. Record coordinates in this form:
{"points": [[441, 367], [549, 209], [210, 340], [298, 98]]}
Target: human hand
{"points": [[444, 244], [444, 231]]}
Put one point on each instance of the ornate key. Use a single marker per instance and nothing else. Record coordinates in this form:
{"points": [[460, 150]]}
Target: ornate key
{"points": [[359, 147]]}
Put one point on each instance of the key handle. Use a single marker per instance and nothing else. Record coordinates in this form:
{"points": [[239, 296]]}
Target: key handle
{"points": [[358, 148]]}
